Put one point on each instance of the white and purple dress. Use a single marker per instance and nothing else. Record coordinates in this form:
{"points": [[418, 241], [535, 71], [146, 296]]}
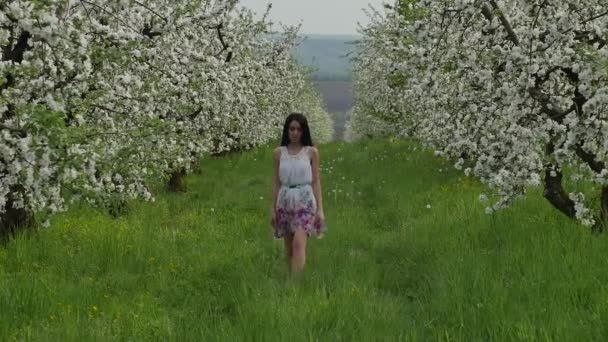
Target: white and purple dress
{"points": [[296, 203]]}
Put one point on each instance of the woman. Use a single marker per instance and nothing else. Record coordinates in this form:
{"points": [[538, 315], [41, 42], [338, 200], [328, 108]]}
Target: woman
{"points": [[297, 205]]}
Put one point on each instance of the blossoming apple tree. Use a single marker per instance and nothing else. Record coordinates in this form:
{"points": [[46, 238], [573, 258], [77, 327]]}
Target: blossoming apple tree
{"points": [[516, 91], [98, 96]]}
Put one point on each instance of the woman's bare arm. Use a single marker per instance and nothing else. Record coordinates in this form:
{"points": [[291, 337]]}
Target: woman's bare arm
{"points": [[276, 183], [316, 180]]}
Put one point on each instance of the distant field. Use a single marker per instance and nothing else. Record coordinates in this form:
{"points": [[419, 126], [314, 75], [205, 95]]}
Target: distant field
{"points": [[327, 54], [337, 95]]}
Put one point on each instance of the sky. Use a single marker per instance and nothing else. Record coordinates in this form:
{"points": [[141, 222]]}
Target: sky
{"points": [[317, 16]]}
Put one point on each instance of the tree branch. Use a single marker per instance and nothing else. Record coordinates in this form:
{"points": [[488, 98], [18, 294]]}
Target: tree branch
{"points": [[147, 31], [151, 10], [589, 158], [11, 129], [16, 54], [596, 17], [107, 12], [505, 22], [224, 45], [547, 106], [584, 36]]}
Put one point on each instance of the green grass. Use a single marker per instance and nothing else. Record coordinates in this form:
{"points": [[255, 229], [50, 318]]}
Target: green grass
{"points": [[203, 266]]}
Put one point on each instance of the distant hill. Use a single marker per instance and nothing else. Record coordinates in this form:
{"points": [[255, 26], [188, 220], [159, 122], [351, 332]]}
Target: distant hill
{"points": [[327, 54]]}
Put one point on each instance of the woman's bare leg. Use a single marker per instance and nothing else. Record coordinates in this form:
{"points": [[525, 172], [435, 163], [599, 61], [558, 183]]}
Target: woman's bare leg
{"points": [[288, 239], [298, 259]]}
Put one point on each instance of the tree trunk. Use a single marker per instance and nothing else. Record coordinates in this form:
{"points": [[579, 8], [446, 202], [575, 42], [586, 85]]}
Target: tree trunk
{"points": [[196, 166], [14, 220], [555, 194], [118, 208], [554, 191], [196, 169], [604, 207], [176, 182]]}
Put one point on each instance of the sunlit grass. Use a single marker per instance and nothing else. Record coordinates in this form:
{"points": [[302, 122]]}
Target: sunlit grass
{"points": [[409, 255]]}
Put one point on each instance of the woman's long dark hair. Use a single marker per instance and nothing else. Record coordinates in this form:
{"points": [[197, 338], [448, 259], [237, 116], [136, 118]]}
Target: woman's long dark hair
{"points": [[301, 119]]}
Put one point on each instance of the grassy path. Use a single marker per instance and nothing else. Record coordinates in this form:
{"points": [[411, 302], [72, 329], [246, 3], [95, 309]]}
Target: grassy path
{"points": [[409, 255]]}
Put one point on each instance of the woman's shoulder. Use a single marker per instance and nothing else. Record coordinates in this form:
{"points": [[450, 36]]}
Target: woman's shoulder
{"points": [[277, 151], [313, 151]]}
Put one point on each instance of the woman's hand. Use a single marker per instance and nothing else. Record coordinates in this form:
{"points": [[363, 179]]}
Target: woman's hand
{"points": [[320, 217], [273, 218]]}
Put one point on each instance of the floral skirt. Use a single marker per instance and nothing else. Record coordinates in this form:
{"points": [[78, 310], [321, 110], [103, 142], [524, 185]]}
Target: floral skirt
{"points": [[296, 210]]}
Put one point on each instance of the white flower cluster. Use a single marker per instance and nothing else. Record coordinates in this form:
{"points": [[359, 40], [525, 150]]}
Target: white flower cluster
{"points": [[98, 96], [374, 113], [515, 88]]}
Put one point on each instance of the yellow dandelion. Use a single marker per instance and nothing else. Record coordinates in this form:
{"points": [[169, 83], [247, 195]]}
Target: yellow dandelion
{"points": [[95, 308]]}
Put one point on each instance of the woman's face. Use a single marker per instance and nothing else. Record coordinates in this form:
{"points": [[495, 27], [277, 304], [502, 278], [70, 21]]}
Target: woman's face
{"points": [[295, 132]]}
